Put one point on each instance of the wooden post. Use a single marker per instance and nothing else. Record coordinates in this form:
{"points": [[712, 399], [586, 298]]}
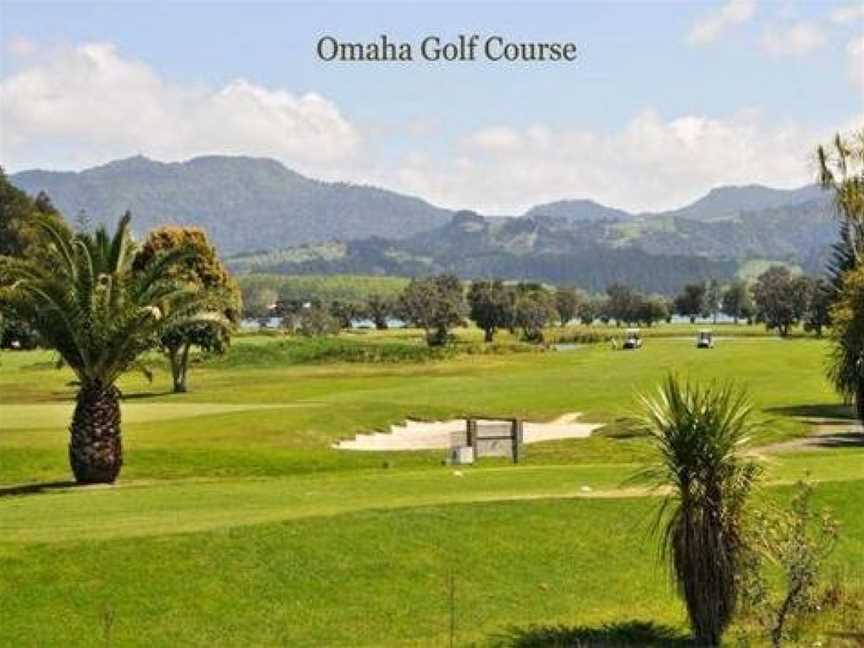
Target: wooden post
{"points": [[471, 433], [517, 439]]}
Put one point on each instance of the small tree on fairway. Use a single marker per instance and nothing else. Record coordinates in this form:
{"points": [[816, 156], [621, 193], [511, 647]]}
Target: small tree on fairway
{"points": [[697, 432], [534, 309], [567, 304], [379, 309], [736, 300], [435, 304], [259, 301], [590, 310], [713, 299], [316, 320], [650, 310], [87, 303], [291, 310], [781, 299], [621, 303], [691, 302], [817, 315], [202, 267], [490, 307], [345, 312]]}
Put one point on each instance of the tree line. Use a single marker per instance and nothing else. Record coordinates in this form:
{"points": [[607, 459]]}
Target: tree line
{"points": [[777, 298]]}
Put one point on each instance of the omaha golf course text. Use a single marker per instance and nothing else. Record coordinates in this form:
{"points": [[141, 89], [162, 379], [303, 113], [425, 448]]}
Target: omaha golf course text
{"points": [[436, 49]]}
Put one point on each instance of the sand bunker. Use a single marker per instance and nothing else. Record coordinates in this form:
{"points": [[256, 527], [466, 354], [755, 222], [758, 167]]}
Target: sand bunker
{"points": [[421, 435]]}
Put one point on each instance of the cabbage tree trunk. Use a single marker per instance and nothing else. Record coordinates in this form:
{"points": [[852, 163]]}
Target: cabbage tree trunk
{"points": [[95, 447]]}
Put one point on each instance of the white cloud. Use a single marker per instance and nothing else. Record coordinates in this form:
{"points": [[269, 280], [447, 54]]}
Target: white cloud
{"points": [[20, 46], [497, 139], [848, 14], [712, 25], [650, 164], [72, 108], [796, 40], [88, 104], [855, 54]]}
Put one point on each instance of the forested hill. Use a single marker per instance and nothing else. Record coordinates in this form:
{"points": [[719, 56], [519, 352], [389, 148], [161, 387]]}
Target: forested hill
{"points": [[657, 253], [244, 203], [273, 219], [471, 246]]}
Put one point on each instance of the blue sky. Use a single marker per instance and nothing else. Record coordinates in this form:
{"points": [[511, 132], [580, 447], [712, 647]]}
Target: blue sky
{"points": [[666, 100]]}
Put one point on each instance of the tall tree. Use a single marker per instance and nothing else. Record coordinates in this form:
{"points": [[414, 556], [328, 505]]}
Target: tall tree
{"points": [[534, 309], [781, 299], [99, 315], [590, 310], [201, 267], [691, 302], [818, 312], [841, 171], [20, 237], [713, 299], [490, 307], [621, 303], [259, 301], [846, 369], [435, 304], [17, 213], [567, 303], [316, 320], [651, 309], [379, 309], [345, 312], [736, 300]]}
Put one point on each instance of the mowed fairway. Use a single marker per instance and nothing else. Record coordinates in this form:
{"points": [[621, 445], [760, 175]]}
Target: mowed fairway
{"points": [[235, 523]]}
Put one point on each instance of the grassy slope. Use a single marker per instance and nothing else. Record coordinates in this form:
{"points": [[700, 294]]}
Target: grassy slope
{"points": [[243, 526]]}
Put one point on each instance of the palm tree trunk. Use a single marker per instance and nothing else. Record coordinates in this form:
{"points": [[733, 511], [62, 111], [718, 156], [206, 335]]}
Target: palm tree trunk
{"points": [[95, 447]]}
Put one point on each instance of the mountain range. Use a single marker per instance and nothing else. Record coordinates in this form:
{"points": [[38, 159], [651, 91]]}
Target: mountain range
{"points": [[267, 218], [244, 203]]}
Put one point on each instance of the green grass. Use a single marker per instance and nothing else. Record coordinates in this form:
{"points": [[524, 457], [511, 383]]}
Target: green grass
{"points": [[753, 268], [324, 287], [235, 522]]}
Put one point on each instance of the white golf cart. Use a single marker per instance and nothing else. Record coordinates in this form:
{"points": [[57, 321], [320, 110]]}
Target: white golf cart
{"points": [[705, 339], [632, 339]]}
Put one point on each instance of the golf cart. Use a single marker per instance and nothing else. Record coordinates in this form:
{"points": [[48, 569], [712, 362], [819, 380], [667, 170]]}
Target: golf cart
{"points": [[705, 340], [632, 339]]}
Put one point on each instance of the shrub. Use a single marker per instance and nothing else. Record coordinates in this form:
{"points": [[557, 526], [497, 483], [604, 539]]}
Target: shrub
{"points": [[797, 541]]}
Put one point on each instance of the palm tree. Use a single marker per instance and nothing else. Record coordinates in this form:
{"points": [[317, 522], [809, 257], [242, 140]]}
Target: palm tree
{"points": [[846, 363], [698, 431], [841, 170], [86, 302]]}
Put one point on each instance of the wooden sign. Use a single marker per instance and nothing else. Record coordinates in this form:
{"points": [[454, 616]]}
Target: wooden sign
{"points": [[494, 437]]}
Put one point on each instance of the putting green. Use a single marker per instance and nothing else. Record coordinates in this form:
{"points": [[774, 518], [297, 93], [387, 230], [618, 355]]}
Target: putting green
{"points": [[48, 415]]}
